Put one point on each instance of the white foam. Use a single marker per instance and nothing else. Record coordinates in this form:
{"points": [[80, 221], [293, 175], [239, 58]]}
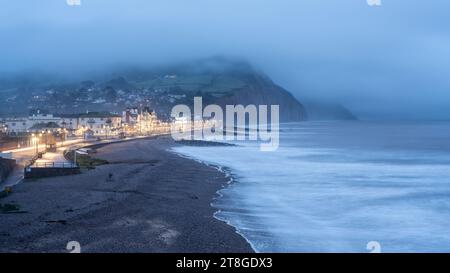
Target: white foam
{"points": [[313, 196]]}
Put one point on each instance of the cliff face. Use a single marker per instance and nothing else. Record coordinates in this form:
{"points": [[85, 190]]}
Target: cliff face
{"points": [[264, 92], [225, 81]]}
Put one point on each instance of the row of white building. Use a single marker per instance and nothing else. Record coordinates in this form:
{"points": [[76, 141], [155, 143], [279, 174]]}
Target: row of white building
{"points": [[136, 120]]}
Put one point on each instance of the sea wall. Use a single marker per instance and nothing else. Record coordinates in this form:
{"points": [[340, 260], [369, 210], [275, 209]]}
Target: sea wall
{"points": [[49, 172], [6, 166]]}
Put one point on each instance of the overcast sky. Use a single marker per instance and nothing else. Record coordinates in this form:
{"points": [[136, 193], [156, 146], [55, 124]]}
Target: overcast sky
{"points": [[389, 61]]}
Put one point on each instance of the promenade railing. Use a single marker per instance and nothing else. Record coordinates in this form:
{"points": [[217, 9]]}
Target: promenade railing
{"points": [[53, 165]]}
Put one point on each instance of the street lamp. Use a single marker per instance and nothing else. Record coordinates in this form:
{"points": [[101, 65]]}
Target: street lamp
{"points": [[64, 135], [35, 140]]}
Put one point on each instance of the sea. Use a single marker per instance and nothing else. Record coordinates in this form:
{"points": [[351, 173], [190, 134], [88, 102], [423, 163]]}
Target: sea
{"points": [[339, 186]]}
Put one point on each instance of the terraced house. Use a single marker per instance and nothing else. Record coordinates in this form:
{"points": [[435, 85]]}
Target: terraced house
{"points": [[20, 125], [96, 124]]}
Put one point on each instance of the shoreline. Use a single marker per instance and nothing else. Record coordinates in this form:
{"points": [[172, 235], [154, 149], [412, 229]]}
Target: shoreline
{"points": [[228, 174], [159, 201]]}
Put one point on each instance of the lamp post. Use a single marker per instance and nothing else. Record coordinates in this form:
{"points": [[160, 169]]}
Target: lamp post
{"points": [[63, 132], [33, 142], [46, 133], [35, 139], [37, 145], [63, 136]]}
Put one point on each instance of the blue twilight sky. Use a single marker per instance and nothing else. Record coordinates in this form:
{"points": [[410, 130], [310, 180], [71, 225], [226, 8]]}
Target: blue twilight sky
{"points": [[391, 61]]}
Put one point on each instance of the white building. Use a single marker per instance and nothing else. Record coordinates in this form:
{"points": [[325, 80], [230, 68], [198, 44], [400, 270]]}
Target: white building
{"points": [[17, 125], [97, 124], [148, 122], [23, 124], [69, 122], [3, 127], [38, 116], [130, 116]]}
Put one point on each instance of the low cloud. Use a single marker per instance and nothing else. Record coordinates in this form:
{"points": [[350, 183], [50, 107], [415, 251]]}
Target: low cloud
{"points": [[389, 61]]}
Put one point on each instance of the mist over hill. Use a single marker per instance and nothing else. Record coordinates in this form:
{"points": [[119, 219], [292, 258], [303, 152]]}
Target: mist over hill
{"points": [[218, 80]]}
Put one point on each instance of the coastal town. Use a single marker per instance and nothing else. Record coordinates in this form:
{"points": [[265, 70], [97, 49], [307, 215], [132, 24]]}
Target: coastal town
{"points": [[45, 143], [19, 132]]}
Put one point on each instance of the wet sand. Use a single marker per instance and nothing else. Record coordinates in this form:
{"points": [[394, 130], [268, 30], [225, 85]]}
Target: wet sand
{"points": [[155, 202]]}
